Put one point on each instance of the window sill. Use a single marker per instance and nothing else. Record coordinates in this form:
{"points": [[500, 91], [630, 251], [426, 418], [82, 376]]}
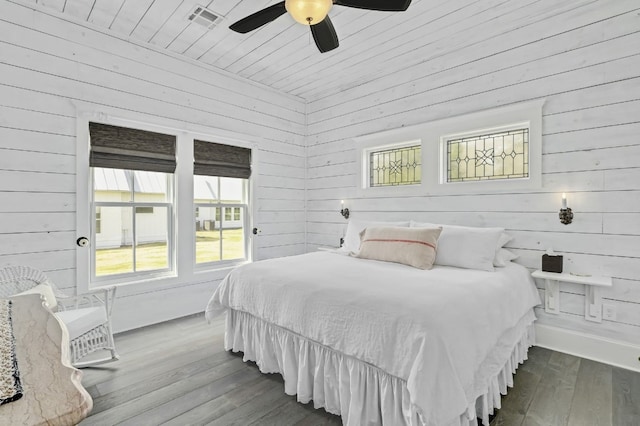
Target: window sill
{"points": [[458, 188], [119, 280], [393, 191], [159, 283]]}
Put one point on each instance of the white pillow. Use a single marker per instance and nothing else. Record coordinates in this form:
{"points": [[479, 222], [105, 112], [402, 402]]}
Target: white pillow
{"points": [[410, 246], [46, 291], [503, 257], [466, 247], [498, 260], [504, 239], [355, 227]]}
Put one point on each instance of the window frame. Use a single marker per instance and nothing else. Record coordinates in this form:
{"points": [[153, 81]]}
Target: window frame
{"points": [[184, 273], [222, 208], [249, 205], [444, 140], [169, 204], [381, 142], [366, 158], [433, 136]]}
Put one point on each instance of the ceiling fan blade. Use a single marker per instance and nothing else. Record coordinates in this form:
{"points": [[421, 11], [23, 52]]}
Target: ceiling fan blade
{"points": [[325, 35], [384, 5], [259, 18]]}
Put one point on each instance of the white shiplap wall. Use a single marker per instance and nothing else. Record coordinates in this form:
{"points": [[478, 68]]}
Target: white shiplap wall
{"points": [[583, 57], [52, 67]]}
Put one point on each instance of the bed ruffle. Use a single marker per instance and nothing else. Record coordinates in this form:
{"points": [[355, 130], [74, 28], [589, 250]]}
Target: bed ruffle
{"points": [[361, 393], [497, 377]]}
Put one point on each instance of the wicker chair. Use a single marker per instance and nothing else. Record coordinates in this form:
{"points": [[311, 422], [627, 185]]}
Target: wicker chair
{"points": [[87, 316]]}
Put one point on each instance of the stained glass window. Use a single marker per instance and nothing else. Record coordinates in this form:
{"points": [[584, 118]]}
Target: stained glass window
{"points": [[501, 155], [395, 166]]}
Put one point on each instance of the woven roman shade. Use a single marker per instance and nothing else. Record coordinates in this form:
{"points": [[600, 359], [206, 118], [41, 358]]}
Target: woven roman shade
{"points": [[131, 149], [214, 159]]}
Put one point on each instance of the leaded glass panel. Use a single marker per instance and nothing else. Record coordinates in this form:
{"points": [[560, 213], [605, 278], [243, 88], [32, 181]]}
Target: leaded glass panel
{"points": [[395, 166], [502, 155]]}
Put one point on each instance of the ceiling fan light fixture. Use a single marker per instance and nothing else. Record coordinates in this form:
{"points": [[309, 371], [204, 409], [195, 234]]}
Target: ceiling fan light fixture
{"points": [[308, 12]]}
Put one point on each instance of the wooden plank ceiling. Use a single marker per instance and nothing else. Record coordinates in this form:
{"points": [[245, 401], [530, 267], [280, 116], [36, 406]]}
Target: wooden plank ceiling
{"points": [[282, 54]]}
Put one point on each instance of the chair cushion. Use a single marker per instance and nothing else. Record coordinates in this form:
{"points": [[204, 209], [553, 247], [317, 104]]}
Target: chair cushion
{"points": [[79, 321], [46, 291]]}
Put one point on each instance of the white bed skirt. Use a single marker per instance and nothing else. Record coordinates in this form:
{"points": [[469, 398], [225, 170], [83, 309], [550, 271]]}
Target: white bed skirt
{"points": [[359, 392]]}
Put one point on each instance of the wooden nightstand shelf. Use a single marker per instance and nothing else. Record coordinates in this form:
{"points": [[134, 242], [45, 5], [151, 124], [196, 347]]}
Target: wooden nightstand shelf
{"points": [[592, 298]]}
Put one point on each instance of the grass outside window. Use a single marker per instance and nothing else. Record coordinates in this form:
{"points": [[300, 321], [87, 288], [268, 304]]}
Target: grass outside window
{"points": [[153, 256]]}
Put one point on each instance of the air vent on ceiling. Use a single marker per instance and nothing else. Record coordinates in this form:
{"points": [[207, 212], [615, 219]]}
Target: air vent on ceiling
{"points": [[204, 17]]}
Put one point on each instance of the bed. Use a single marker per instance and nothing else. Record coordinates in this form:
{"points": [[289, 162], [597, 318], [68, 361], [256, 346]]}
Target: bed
{"points": [[379, 342]]}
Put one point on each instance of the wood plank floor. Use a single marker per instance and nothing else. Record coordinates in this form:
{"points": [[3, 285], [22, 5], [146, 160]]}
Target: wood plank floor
{"points": [[177, 373]]}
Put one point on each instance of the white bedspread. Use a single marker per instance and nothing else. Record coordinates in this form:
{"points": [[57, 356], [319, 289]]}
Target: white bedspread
{"points": [[431, 328]]}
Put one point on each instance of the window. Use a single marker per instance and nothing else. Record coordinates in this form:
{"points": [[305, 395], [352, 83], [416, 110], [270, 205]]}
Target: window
{"points": [[132, 175], [491, 150], [395, 166], [390, 163], [221, 192], [506, 156], [218, 240], [131, 237], [500, 155], [141, 187]]}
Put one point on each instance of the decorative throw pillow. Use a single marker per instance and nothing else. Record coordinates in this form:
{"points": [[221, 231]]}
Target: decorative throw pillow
{"points": [[355, 227], [411, 246], [465, 246], [46, 291]]}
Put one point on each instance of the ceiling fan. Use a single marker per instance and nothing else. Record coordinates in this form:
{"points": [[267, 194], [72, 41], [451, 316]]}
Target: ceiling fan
{"points": [[314, 14]]}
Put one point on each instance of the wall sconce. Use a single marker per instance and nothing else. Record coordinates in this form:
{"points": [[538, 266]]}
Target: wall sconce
{"points": [[344, 211], [566, 215]]}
